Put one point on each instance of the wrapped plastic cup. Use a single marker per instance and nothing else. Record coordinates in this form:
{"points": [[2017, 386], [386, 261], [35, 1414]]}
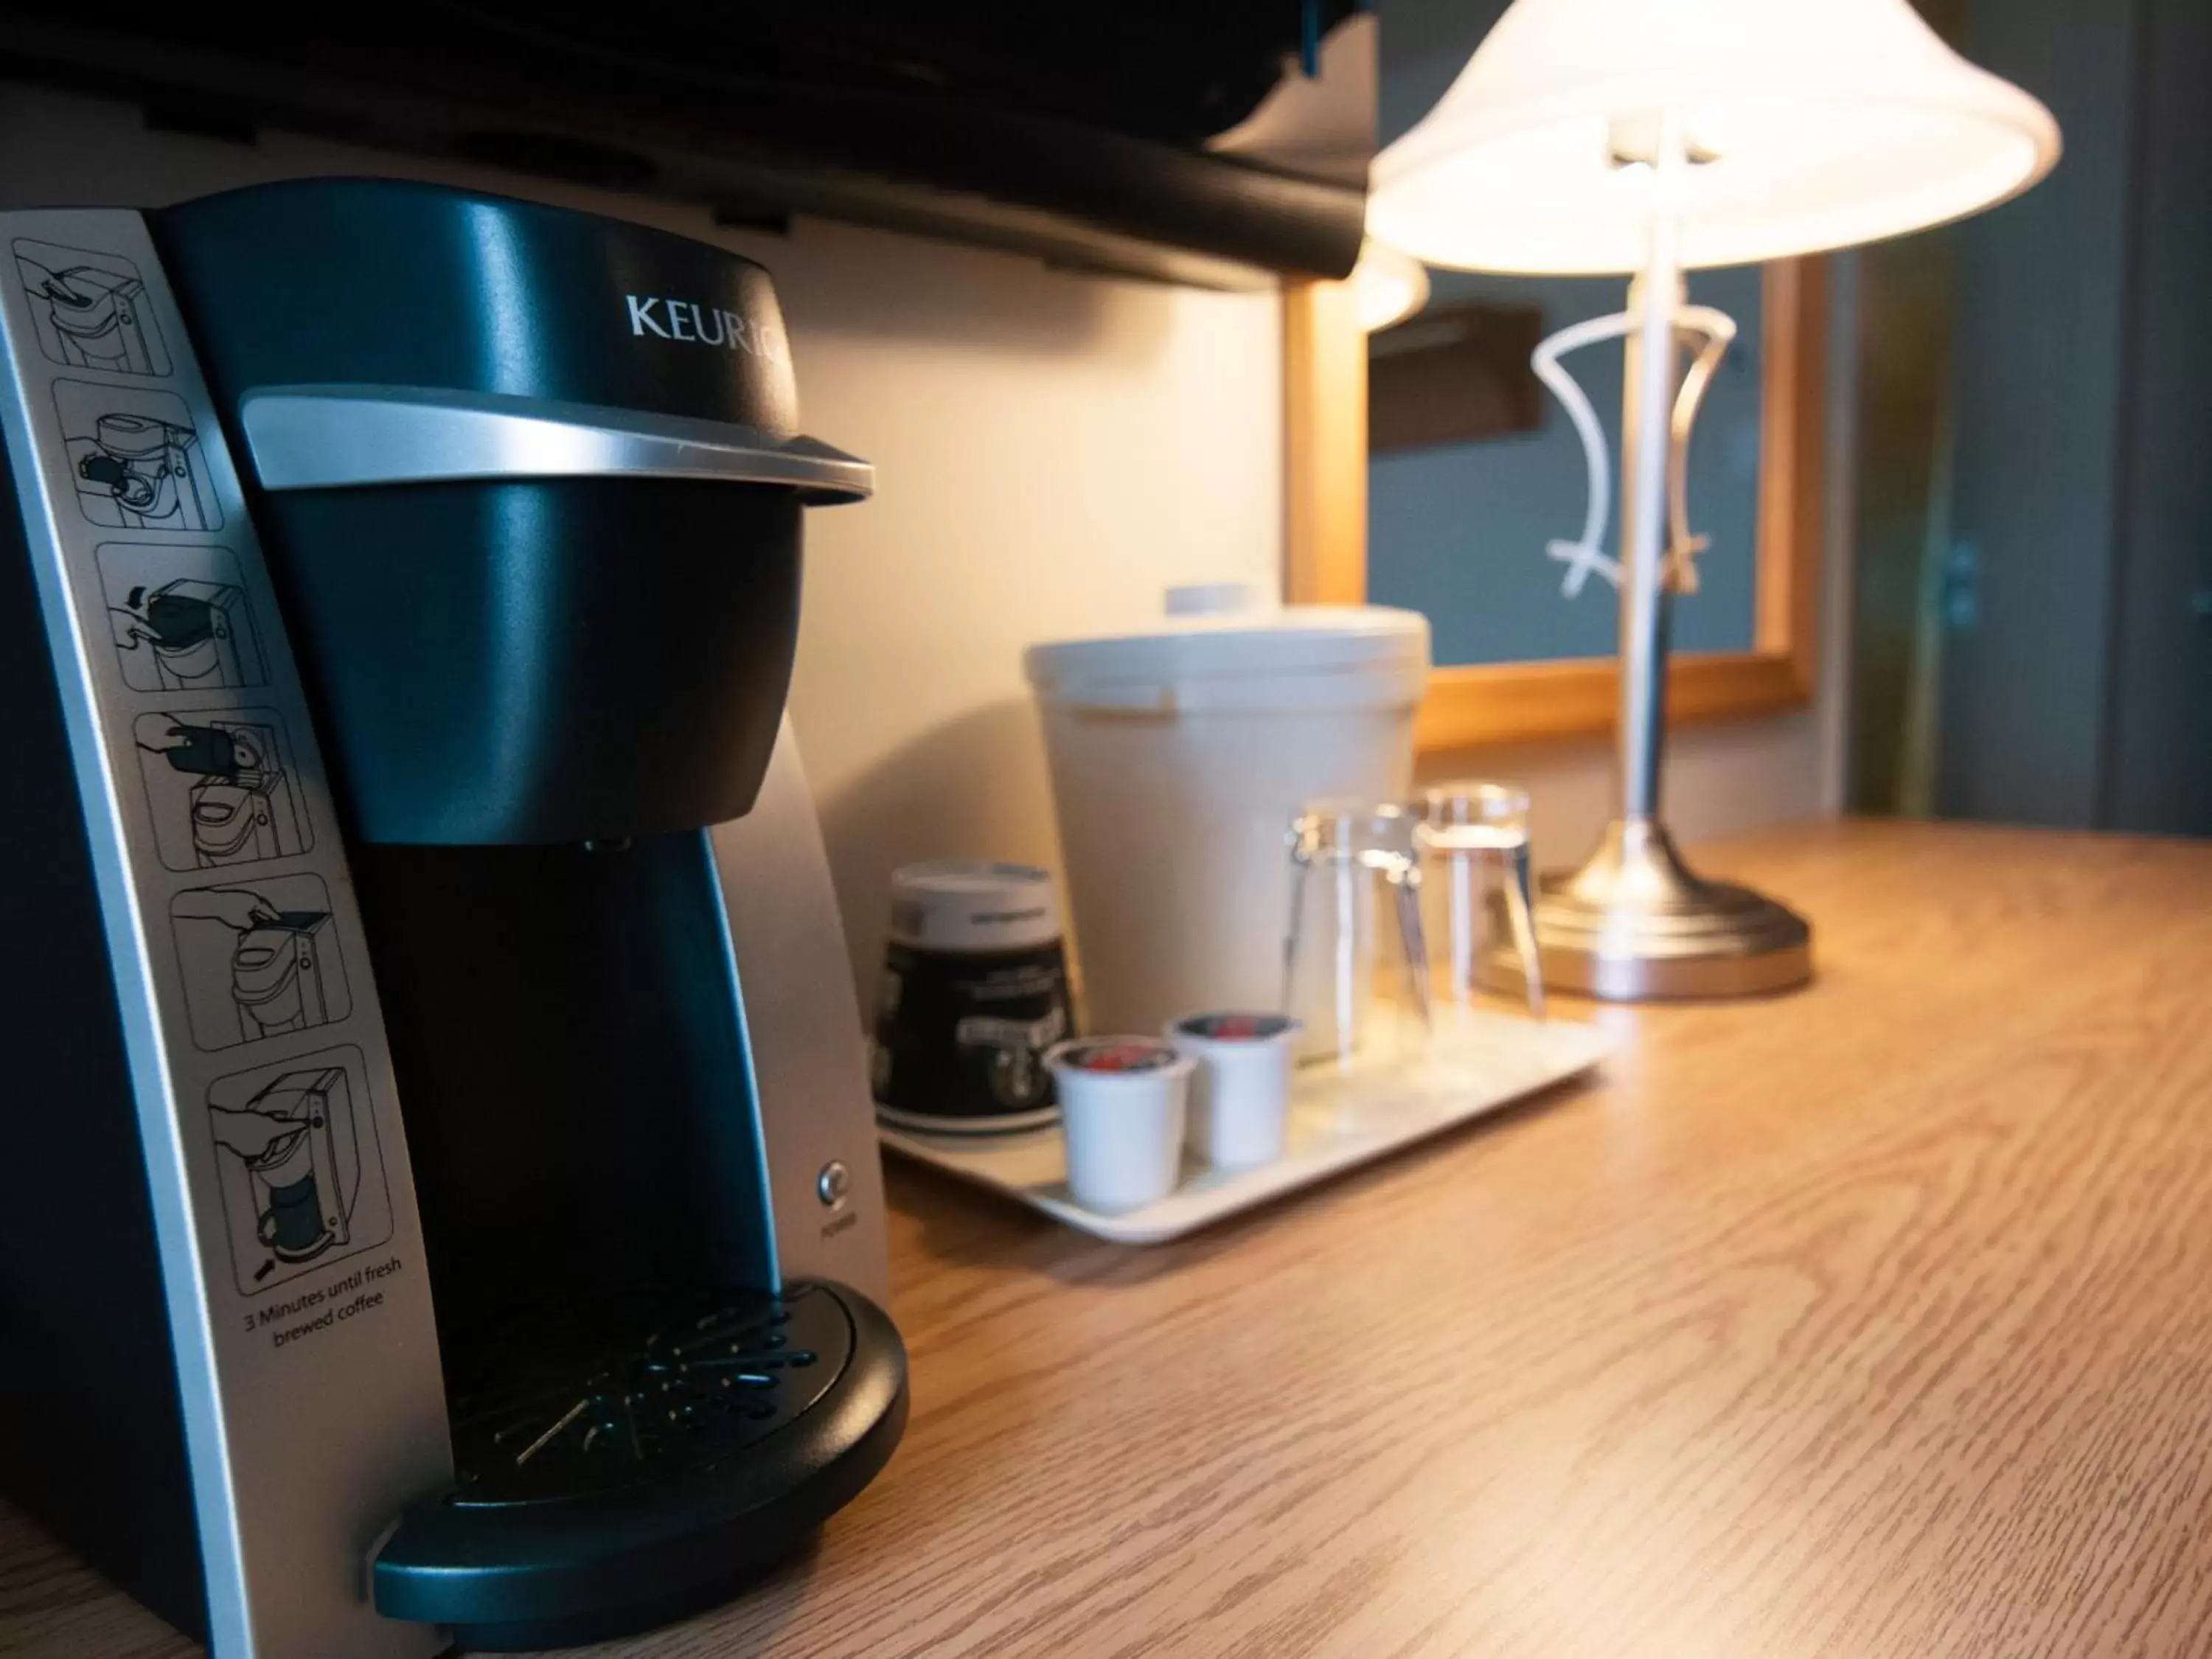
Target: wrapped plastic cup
{"points": [[1121, 1104], [1240, 1096]]}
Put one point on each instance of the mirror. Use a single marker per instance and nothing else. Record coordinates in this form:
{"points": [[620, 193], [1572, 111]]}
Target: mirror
{"points": [[1478, 468]]}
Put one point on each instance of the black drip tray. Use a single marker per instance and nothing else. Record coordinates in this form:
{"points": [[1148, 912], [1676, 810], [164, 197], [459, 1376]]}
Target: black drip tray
{"points": [[686, 1383], [630, 1459]]}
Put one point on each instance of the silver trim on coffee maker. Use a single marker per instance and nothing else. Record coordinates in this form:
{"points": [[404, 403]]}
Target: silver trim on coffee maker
{"points": [[803, 1035], [341, 437], [291, 1250]]}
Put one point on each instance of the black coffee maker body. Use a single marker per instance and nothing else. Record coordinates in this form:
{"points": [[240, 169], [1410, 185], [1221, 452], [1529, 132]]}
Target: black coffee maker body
{"points": [[440, 1198]]}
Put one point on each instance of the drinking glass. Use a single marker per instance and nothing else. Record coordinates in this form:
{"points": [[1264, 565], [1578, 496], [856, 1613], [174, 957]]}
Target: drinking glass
{"points": [[1472, 843], [1355, 969]]}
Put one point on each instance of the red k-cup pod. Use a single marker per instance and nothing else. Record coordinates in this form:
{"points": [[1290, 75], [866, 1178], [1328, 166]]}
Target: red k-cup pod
{"points": [[1113, 1054], [1121, 1106], [1240, 1096], [1234, 1028]]}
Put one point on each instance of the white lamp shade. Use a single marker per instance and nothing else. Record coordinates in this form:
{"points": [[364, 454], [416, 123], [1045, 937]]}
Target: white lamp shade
{"points": [[1811, 124]]}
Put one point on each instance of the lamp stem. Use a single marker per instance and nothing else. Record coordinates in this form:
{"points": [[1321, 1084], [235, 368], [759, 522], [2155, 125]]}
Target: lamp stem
{"points": [[1654, 296], [1634, 921]]}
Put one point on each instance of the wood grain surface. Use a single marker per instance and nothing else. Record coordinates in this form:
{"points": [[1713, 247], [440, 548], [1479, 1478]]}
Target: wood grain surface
{"points": [[1875, 1319]]}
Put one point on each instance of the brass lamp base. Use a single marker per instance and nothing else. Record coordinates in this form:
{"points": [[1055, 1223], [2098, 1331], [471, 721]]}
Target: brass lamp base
{"points": [[1635, 924]]}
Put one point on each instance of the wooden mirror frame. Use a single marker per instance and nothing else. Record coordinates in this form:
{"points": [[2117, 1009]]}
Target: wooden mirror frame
{"points": [[1325, 523]]}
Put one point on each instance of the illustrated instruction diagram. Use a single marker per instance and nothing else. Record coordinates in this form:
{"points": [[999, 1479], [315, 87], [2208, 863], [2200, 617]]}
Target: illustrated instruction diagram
{"points": [[89, 309], [220, 788], [259, 959], [180, 618], [135, 457], [302, 1176]]}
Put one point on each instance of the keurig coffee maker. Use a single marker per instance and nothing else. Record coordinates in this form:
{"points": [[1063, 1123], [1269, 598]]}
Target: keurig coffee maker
{"points": [[438, 1193]]}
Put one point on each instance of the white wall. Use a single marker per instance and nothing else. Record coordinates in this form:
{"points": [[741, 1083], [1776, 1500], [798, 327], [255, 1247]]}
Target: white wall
{"points": [[1053, 450]]}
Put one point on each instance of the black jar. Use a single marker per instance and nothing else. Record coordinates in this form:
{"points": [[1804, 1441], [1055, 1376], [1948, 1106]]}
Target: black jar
{"points": [[974, 991]]}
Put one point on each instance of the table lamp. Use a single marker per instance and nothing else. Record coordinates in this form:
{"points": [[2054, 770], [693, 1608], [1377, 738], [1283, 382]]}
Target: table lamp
{"points": [[1648, 137]]}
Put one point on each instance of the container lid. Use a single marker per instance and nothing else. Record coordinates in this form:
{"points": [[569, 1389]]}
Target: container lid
{"points": [[1253, 640], [973, 904], [1118, 1057], [1255, 1029]]}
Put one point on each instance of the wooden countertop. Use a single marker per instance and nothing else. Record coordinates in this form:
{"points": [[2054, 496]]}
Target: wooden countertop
{"points": [[1875, 1320]]}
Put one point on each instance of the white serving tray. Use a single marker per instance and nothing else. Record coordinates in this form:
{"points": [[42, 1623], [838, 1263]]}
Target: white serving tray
{"points": [[1338, 1121]]}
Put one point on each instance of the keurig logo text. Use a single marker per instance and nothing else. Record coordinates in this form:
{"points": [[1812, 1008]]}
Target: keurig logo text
{"points": [[685, 319]]}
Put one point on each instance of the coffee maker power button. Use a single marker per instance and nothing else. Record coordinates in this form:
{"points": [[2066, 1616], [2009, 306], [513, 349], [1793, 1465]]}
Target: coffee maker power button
{"points": [[833, 1183]]}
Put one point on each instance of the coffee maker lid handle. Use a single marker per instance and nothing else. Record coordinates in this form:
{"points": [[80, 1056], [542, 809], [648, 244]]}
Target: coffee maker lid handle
{"points": [[340, 437]]}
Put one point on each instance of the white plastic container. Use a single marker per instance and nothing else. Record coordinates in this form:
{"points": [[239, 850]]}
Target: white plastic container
{"points": [[1238, 1114], [1122, 1102], [1178, 758]]}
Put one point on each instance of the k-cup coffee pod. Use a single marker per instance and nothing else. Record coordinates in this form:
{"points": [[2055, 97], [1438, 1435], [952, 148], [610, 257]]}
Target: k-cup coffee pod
{"points": [[1121, 1104], [1239, 1112], [974, 991]]}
